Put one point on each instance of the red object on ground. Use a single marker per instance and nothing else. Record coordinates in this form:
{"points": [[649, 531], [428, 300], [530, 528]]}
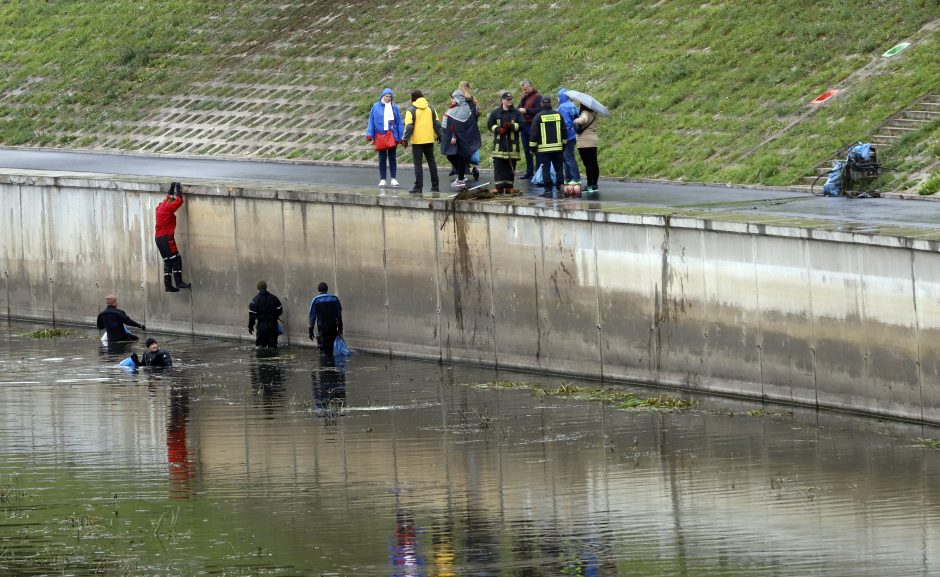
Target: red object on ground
{"points": [[824, 96]]}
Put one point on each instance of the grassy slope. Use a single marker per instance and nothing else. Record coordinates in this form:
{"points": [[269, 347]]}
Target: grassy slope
{"points": [[695, 88]]}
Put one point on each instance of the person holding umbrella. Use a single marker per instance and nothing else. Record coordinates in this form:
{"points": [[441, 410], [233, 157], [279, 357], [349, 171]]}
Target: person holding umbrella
{"points": [[585, 125]]}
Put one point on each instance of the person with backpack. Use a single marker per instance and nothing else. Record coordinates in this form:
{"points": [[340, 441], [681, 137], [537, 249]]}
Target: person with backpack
{"points": [[548, 139], [586, 127], [384, 130], [422, 128], [504, 122]]}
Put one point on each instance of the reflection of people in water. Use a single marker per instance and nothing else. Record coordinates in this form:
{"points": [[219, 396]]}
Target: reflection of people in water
{"points": [[442, 550], [177, 453], [267, 377], [329, 388], [404, 557]]}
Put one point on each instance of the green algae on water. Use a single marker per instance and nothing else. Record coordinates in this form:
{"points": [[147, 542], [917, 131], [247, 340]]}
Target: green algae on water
{"points": [[620, 399], [50, 333]]}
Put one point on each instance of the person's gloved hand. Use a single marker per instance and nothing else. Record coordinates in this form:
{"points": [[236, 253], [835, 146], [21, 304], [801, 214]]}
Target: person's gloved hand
{"points": [[310, 332], [251, 329], [404, 143], [368, 139], [502, 129], [143, 328], [339, 334]]}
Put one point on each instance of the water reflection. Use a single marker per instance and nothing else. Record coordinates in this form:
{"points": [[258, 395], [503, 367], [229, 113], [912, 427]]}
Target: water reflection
{"points": [[268, 374], [177, 452], [329, 388], [223, 466]]}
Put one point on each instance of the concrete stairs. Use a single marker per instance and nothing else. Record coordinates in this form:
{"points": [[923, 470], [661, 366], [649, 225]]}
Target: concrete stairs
{"points": [[905, 122]]}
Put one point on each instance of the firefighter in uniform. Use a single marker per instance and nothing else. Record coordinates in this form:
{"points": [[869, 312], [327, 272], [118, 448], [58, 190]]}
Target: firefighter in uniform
{"points": [[504, 122], [549, 136]]}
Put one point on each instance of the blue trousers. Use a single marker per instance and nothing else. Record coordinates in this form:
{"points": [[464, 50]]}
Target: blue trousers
{"points": [[571, 164]]}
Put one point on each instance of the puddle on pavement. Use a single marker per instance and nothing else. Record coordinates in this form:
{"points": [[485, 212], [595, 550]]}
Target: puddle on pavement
{"points": [[240, 464]]}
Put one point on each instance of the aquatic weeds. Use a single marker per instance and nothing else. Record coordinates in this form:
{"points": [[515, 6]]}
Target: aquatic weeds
{"points": [[50, 333], [931, 443], [620, 399]]}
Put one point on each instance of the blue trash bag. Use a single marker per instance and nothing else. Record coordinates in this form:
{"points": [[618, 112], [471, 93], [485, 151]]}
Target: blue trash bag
{"points": [[537, 177], [339, 347], [861, 151], [833, 186], [280, 329], [475, 158]]}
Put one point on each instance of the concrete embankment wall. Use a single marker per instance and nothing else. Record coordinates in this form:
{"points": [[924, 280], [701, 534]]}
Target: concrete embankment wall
{"points": [[789, 314]]}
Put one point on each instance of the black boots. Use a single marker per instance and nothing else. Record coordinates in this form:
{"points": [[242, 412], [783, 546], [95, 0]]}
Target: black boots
{"points": [[178, 277], [168, 284]]}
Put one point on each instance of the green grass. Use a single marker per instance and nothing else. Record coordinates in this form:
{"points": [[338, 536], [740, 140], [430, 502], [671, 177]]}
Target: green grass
{"points": [[619, 398], [711, 92]]}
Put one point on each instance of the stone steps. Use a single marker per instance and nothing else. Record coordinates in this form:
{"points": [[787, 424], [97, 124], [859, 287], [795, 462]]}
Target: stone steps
{"points": [[905, 122]]}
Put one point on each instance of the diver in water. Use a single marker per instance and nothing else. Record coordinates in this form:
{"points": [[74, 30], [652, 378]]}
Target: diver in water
{"points": [[154, 357]]}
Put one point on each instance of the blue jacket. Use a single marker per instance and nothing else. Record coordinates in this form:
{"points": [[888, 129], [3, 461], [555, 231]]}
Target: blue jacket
{"points": [[326, 313], [377, 117], [568, 113]]}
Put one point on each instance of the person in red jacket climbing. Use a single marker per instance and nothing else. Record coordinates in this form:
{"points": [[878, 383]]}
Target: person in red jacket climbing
{"points": [[166, 244]]}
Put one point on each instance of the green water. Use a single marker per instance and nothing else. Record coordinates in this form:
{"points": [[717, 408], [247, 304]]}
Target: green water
{"points": [[235, 464]]}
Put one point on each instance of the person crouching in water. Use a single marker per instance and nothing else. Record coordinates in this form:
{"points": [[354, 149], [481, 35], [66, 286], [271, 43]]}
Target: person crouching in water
{"points": [[165, 230], [326, 314], [154, 357], [504, 123]]}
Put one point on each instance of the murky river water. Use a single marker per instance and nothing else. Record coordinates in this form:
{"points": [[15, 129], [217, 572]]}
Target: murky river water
{"points": [[235, 464]]}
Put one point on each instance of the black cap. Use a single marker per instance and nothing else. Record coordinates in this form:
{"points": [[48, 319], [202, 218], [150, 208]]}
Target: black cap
{"points": [[151, 341], [546, 100], [506, 94]]}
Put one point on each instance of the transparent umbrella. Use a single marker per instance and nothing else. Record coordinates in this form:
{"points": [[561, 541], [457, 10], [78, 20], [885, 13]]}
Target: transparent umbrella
{"points": [[589, 101]]}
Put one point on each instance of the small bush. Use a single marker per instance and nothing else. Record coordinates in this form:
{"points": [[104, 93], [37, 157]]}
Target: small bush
{"points": [[931, 185]]}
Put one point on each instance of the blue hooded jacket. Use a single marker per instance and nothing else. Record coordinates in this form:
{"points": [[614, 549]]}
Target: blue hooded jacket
{"points": [[568, 112], [377, 118]]}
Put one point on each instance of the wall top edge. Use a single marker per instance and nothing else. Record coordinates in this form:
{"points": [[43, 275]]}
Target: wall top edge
{"points": [[891, 236]]}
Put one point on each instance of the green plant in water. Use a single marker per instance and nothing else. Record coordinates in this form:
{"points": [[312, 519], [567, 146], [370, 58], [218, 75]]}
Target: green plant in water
{"points": [[51, 333], [611, 396], [931, 443]]}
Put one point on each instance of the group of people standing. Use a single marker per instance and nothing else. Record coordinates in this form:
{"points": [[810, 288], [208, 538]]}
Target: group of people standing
{"points": [[533, 130]]}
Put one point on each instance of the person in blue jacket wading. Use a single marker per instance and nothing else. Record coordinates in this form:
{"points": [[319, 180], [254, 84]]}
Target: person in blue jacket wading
{"points": [[385, 117], [326, 318]]}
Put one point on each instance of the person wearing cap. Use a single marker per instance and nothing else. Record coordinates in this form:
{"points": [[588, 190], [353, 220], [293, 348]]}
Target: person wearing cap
{"points": [[505, 122], [326, 315], [529, 106], [154, 357], [113, 319], [265, 309], [164, 230], [548, 138]]}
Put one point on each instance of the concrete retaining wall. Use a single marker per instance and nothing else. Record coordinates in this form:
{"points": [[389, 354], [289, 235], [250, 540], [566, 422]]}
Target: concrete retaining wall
{"points": [[796, 315]]}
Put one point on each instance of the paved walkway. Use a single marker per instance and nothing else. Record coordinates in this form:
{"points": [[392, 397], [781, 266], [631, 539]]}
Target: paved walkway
{"points": [[858, 215]]}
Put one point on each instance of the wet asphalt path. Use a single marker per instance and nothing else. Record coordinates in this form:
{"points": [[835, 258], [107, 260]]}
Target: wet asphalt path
{"points": [[860, 213]]}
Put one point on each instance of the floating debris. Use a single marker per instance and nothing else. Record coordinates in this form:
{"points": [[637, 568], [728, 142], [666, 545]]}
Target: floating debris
{"points": [[612, 396], [50, 333]]}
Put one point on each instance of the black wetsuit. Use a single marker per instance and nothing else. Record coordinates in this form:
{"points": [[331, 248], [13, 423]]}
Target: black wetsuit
{"points": [[157, 358], [264, 309], [113, 320]]}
